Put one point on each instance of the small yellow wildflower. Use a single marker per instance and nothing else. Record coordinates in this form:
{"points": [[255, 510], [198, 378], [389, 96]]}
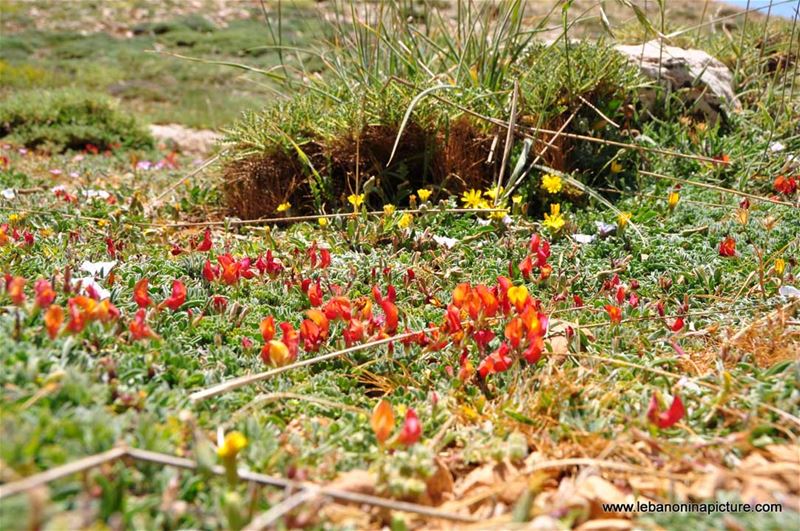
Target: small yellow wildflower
{"points": [[616, 167], [517, 199], [234, 443], [424, 194], [780, 265], [283, 207], [472, 199], [356, 200], [499, 214], [493, 193], [323, 222], [742, 215], [405, 221], [672, 199], [388, 210], [554, 220], [623, 218], [102, 223], [551, 183], [13, 218]]}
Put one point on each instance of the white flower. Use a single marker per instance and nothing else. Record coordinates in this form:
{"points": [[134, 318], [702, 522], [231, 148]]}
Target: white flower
{"points": [[8, 193], [790, 292], [583, 238], [83, 283], [96, 194], [98, 269], [776, 146], [59, 188], [445, 241]]}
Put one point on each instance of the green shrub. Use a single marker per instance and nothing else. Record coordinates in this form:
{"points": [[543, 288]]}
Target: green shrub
{"points": [[69, 119]]}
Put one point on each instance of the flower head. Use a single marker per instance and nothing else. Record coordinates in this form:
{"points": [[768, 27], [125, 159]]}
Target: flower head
{"points": [[234, 443], [472, 199], [623, 218], [283, 207], [382, 420], [672, 199], [551, 183], [405, 221], [727, 247], [388, 210], [323, 222], [424, 194], [554, 220], [356, 200]]}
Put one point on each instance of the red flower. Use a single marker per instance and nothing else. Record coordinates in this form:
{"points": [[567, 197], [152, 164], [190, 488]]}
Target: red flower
{"points": [[727, 247], [353, 333], [140, 294], [315, 294], [452, 319], [514, 332], [677, 326], [534, 351], [139, 328], [206, 243], [338, 308], [210, 272], [314, 330], [229, 269], [45, 295], [526, 267], [666, 418], [411, 431], [291, 339], [620, 296], [614, 313], [324, 258], [178, 296], [785, 185], [390, 311], [219, 302], [497, 361]]}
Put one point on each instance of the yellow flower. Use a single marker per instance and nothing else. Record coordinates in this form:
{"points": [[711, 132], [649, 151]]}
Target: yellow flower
{"points": [[623, 218], [234, 443], [356, 200], [388, 210], [742, 215], [405, 221], [780, 265], [616, 167], [102, 223], [424, 194], [554, 220], [13, 218], [499, 214], [551, 183], [672, 199], [517, 199], [472, 199], [493, 193], [323, 222], [283, 207]]}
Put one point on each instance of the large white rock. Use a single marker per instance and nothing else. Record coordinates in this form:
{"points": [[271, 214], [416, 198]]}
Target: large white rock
{"points": [[704, 79]]}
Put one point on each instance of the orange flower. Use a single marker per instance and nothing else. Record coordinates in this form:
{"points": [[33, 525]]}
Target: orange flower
{"points": [[382, 421], [514, 332], [353, 333], [489, 303], [314, 330], [267, 328], [315, 294], [139, 328], [338, 308], [53, 319], [452, 319], [140, 294], [614, 313], [105, 311], [16, 290], [460, 294], [77, 320], [497, 361], [727, 247], [291, 339], [45, 295]]}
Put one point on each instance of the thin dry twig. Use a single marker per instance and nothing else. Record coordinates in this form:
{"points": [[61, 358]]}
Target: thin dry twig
{"points": [[717, 188], [241, 381], [276, 512], [43, 478]]}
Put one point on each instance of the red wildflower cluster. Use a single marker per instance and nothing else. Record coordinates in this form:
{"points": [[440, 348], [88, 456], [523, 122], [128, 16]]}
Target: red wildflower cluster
{"points": [[539, 252], [25, 239], [786, 185], [473, 311], [620, 294], [727, 247]]}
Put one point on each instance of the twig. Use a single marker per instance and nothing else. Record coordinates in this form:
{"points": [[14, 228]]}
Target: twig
{"points": [[241, 381], [266, 519], [336, 494], [43, 478], [205, 164], [598, 111], [512, 122], [717, 188]]}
